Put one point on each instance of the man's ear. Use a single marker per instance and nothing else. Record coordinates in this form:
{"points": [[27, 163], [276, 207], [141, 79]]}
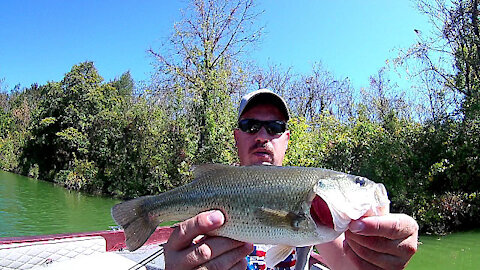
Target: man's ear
{"points": [[287, 133], [235, 136]]}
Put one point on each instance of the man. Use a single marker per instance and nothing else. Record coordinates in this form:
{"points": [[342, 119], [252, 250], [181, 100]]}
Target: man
{"points": [[379, 242]]}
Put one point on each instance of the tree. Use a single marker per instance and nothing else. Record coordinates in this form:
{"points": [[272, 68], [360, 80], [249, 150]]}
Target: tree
{"points": [[203, 71], [382, 99], [274, 77], [448, 62], [5, 117], [449, 57], [199, 75], [63, 124]]}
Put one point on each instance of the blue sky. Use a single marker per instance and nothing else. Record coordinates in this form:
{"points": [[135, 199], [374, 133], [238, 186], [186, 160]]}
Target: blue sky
{"points": [[41, 40]]}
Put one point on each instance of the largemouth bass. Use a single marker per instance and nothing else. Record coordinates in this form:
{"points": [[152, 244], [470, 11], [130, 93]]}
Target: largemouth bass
{"points": [[284, 206]]}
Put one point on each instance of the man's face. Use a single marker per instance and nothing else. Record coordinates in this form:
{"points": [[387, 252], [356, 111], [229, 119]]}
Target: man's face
{"points": [[261, 147]]}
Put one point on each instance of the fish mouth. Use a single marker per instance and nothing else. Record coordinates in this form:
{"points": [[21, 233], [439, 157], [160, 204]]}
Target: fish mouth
{"points": [[321, 213]]}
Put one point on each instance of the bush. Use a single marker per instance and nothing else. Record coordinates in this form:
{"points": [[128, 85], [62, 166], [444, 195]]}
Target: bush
{"points": [[444, 213], [79, 177]]}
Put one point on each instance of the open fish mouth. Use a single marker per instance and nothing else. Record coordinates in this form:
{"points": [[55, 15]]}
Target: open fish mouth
{"points": [[334, 211], [321, 213]]}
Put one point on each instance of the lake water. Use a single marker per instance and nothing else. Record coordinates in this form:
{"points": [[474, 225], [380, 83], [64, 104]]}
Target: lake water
{"points": [[31, 207], [455, 251]]}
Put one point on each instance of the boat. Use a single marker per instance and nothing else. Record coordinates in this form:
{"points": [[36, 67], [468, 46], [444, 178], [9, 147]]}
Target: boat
{"points": [[91, 250]]}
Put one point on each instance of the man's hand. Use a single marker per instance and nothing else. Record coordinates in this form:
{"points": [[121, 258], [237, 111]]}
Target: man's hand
{"points": [[182, 252], [381, 242]]}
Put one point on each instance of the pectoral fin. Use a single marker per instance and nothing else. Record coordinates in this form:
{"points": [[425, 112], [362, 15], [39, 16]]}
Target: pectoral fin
{"points": [[280, 218], [277, 254]]}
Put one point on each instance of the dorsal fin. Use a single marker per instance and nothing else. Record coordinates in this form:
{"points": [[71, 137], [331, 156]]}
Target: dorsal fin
{"points": [[204, 169]]}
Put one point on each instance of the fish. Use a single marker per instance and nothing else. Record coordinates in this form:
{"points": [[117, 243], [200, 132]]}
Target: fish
{"points": [[286, 207]]}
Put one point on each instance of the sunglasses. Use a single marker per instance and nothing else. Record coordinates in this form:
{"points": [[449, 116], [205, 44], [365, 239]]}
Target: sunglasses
{"points": [[273, 127]]}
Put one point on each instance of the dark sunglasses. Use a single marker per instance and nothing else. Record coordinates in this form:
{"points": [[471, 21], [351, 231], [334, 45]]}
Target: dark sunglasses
{"points": [[273, 127]]}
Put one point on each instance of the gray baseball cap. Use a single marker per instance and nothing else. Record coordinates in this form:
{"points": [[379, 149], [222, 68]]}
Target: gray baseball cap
{"points": [[263, 96]]}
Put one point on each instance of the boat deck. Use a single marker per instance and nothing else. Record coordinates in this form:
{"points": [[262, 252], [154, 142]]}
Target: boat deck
{"points": [[80, 249], [94, 250]]}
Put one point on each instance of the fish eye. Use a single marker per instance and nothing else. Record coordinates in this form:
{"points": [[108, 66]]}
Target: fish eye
{"points": [[360, 181], [320, 184]]}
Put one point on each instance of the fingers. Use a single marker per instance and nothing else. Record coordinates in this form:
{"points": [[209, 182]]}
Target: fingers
{"points": [[233, 259], [391, 226], [378, 251], [358, 261], [401, 247], [387, 241], [212, 248], [181, 252], [186, 231], [210, 253], [241, 265]]}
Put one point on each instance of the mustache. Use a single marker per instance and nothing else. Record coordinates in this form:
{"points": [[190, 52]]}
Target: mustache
{"points": [[261, 146]]}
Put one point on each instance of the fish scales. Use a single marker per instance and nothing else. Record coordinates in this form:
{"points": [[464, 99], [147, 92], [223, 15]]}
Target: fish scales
{"points": [[261, 204], [239, 194], [254, 189]]}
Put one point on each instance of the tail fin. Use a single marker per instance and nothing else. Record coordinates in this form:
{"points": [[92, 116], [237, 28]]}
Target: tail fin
{"points": [[137, 223]]}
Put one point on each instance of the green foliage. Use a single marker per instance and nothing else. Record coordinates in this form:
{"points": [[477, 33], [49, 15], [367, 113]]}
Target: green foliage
{"points": [[6, 123], [61, 124], [446, 212], [137, 153], [8, 154], [301, 149], [78, 175], [15, 117], [98, 137]]}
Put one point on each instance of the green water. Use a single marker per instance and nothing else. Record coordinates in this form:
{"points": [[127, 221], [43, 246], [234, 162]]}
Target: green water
{"points": [[455, 251], [31, 207]]}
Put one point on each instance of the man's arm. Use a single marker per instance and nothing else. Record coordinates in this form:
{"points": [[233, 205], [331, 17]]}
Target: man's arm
{"points": [[376, 242], [182, 252]]}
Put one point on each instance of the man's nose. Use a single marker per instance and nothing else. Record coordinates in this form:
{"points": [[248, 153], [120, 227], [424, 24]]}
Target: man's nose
{"points": [[262, 135]]}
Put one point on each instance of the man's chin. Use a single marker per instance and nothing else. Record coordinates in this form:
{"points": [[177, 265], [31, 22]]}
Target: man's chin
{"points": [[263, 162]]}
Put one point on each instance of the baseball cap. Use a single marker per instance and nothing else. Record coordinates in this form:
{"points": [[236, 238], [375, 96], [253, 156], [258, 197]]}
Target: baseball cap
{"points": [[263, 96]]}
